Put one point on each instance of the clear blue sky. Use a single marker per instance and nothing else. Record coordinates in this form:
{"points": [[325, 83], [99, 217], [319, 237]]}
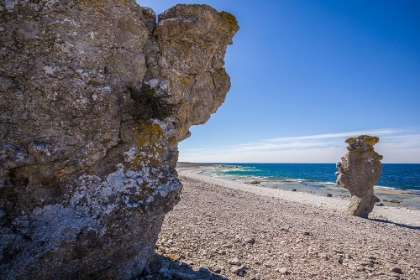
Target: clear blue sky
{"points": [[308, 74]]}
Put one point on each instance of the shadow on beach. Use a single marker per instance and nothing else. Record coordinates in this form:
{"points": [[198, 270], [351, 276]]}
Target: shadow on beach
{"points": [[165, 267], [395, 224]]}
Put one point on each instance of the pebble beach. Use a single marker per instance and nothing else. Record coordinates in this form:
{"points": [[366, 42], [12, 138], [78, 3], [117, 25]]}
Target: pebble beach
{"points": [[226, 230]]}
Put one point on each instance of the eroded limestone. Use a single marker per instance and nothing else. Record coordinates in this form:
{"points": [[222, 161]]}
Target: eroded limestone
{"points": [[359, 171], [84, 186]]}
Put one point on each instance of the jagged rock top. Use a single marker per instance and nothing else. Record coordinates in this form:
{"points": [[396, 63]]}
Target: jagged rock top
{"points": [[201, 20], [361, 142], [192, 40]]}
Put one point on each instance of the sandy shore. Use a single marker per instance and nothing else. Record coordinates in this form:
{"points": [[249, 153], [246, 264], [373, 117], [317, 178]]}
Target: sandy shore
{"points": [[225, 230]]}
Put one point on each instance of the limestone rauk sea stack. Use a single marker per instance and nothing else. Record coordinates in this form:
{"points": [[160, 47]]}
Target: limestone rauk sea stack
{"points": [[359, 171], [84, 182]]}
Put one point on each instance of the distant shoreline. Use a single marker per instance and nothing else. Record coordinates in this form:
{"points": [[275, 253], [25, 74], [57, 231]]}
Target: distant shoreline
{"points": [[193, 164], [392, 197]]}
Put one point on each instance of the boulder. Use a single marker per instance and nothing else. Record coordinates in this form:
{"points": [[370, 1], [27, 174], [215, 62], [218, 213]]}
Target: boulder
{"points": [[359, 171], [86, 176]]}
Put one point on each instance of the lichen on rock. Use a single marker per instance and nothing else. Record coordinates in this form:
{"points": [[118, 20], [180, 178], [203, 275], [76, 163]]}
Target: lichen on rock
{"points": [[359, 171], [84, 184], [193, 40]]}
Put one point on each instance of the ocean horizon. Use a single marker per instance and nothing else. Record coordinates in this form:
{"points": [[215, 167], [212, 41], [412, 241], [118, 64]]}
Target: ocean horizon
{"points": [[399, 184], [401, 176]]}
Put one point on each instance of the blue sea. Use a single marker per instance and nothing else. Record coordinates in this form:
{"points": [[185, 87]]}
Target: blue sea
{"points": [[398, 182]]}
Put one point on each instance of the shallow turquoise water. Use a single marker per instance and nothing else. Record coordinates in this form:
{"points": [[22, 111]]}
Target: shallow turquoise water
{"points": [[398, 176], [398, 182]]}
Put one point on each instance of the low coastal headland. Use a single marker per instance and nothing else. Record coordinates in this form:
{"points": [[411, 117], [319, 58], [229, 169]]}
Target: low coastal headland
{"points": [[228, 230]]}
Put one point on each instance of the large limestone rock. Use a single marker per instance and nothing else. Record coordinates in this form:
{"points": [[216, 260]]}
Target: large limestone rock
{"points": [[85, 183], [359, 171]]}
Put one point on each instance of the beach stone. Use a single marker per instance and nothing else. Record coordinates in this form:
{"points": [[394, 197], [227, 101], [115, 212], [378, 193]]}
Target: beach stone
{"points": [[397, 270], [287, 256], [283, 270], [324, 256], [241, 270], [268, 264], [359, 171], [215, 268], [392, 201], [234, 261], [249, 240], [85, 183]]}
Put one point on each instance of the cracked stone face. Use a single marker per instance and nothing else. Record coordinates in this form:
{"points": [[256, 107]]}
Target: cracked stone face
{"points": [[84, 185], [359, 171]]}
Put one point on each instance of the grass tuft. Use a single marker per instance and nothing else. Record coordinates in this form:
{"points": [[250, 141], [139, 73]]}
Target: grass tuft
{"points": [[149, 105]]}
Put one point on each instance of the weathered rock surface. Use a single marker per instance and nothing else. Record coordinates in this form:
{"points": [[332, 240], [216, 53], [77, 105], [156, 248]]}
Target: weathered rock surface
{"points": [[84, 185], [359, 171]]}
